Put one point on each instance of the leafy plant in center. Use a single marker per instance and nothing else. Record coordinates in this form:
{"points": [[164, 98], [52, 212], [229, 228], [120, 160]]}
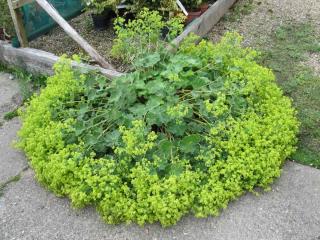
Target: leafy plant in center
{"points": [[145, 35], [185, 132], [159, 5]]}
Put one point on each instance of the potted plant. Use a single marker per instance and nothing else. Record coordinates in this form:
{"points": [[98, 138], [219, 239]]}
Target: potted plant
{"points": [[161, 5], [102, 11], [125, 10]]}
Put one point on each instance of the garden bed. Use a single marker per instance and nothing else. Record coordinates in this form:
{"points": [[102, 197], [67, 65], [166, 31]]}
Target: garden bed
{"points": [[185, 132], [56, 42]]}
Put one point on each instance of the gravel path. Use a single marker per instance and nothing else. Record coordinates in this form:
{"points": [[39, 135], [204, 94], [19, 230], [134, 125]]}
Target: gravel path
{"points": [[58, 42], [266, 16]]}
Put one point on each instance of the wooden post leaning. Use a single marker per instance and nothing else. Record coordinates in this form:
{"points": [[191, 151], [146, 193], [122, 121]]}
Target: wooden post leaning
{"points": [[14, 7], [73, 34], [17, 19]]}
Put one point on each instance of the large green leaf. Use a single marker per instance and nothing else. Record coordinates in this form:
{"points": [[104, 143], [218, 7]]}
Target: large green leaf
{"points": [[190, 144], [176, 169], [177, 129], [147, 61], [165, 148]]}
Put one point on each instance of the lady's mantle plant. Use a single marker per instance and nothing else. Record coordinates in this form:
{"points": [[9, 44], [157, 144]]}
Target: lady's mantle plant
{"points": [[186, 132], [98, 6], [159, 5], [144, 35]]}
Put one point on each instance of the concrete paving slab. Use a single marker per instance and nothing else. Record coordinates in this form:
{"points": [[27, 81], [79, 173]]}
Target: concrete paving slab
{"points": [[12, 162], [9, 93], [291, 211]]}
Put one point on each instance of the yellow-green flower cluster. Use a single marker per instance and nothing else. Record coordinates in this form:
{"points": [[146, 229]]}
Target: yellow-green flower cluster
{"points": [[134, 140], [178, 112]]}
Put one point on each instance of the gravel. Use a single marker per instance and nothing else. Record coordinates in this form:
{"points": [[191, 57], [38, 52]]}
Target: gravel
{"points": [[58, 42], [314, 62], [266, 16]]}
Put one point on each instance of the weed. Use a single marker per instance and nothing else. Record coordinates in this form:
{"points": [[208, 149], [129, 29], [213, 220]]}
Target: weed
{"points": [[241, 8], [291, 45], [10, 115], [11, 180]]}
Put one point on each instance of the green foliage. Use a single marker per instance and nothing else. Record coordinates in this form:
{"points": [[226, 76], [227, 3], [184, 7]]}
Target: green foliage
{"points": [[288, 57], [142, 36], [10, 115], [159, 5], [186, 132], [98, 6], [5, 17]]}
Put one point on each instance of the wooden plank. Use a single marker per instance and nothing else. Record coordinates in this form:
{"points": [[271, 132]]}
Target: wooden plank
{"points": [[19, 3], [18, 24], [41, 62], [73, 34], [202, 25]]}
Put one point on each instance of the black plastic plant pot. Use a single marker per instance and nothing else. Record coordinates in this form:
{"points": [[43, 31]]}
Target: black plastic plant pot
{"points": [[103, 20], [164, 32], [129, 16], [126, 14]]}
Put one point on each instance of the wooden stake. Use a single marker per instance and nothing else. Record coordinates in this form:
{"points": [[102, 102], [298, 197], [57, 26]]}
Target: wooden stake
{"points": [[18, 24], [73, 34]]}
